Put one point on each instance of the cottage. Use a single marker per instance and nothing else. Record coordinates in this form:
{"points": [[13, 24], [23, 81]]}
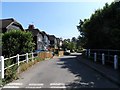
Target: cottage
{"points": [[10, 24], [46, 41], [61, 42], [58, 42], [37, 37], [53, 41]]}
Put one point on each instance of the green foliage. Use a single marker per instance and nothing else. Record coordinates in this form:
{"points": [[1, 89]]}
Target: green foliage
{"points": [[8, 62], [102, 30], [17, 42], [10, 73], [70, 44], [1, 44]]}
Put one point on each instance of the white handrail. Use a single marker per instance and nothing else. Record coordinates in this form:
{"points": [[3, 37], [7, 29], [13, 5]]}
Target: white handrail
{"points": [[22, 55], [10, 66], [22, 61], [10, 58], [2, 59]]}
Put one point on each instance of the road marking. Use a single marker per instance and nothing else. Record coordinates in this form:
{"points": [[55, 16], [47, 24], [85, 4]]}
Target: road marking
{"points": [[83, 83], [11, 87], [57, 84], [33, 87], [58, 87], [15, 84], [36, 84]]}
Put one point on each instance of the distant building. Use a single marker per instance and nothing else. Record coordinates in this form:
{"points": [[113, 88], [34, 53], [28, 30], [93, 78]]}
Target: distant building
{"points": [[59, 43], [10, 24], [37, 37], [46, 41], [53, 41]]}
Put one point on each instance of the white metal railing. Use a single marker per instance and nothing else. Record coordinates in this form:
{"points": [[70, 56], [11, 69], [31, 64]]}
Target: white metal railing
{"points": [[94, 53], [18, 61]]}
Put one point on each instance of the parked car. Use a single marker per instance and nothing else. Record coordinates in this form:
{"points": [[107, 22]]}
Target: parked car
{"points": [[38, 51]]}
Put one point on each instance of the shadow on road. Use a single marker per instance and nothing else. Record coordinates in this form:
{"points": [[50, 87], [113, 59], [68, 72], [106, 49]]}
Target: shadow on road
{"points": [[82, 78]]}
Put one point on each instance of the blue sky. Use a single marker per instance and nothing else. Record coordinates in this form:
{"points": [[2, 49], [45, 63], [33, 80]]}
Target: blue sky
{"points": [[58, 18]]}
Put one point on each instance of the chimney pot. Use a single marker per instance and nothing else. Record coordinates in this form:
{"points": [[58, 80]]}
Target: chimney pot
{"points": [[31, 26]]}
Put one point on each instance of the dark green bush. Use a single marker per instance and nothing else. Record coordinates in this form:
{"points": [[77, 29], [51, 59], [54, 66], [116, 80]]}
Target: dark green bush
{"points": [[17, 42]]}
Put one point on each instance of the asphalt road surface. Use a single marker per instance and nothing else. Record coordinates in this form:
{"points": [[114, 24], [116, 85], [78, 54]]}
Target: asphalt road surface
{"points": [[63, 72]]}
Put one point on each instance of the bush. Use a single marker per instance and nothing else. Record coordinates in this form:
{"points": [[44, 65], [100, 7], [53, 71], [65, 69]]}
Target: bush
{"points": [[17, 42], [10, 74]]}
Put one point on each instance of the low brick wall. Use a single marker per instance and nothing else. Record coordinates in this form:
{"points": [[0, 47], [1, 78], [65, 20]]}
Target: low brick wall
{"points": [[44, 55], [61, 53]]}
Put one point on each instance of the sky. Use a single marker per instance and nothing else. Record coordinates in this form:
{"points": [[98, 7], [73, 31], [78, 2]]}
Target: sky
{"points": [[55, 18]]}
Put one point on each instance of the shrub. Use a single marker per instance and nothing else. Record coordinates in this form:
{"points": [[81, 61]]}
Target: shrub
{"points": [[10, 73], [17, 42]]}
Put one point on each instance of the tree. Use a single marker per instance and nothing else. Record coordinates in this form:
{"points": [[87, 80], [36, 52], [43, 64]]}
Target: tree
{"points": [[69, 44], [17, 42], [102, 29], [1, 44]]}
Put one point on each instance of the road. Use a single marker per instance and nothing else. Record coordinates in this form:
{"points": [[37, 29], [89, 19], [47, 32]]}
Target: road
{"points": [[63, 72]]}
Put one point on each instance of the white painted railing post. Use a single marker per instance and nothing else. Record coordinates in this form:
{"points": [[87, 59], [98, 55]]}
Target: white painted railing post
{"points": [[32, 56], [88, 52], [103, 58], [27, 57], [95, 57], [2, 66], [17, 59], [115, 62]]}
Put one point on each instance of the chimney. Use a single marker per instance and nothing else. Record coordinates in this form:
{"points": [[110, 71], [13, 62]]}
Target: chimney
{"points": [[31, 26]]}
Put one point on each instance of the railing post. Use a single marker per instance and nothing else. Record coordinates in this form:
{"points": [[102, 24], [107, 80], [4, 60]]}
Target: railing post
{"points": [[88, 52], [115, 62], [17, 59], [2, 66], [95, 57], [103, 58], [27, 57], [32, 56]]}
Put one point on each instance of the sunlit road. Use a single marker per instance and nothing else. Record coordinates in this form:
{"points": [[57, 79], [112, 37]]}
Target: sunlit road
{"points": [[64, 72]]}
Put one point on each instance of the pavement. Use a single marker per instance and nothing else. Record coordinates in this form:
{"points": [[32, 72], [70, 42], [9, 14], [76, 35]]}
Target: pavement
{"points": [[107, 71]]}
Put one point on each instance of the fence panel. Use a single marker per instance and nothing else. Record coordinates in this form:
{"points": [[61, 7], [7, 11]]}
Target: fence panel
{"points": [[15, 60], [105, 56]]}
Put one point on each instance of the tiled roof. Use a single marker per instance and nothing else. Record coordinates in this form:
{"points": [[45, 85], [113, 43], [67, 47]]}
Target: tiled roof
{"points": [[51, 37], [6, 22], [44, 33], [34, 31]]}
